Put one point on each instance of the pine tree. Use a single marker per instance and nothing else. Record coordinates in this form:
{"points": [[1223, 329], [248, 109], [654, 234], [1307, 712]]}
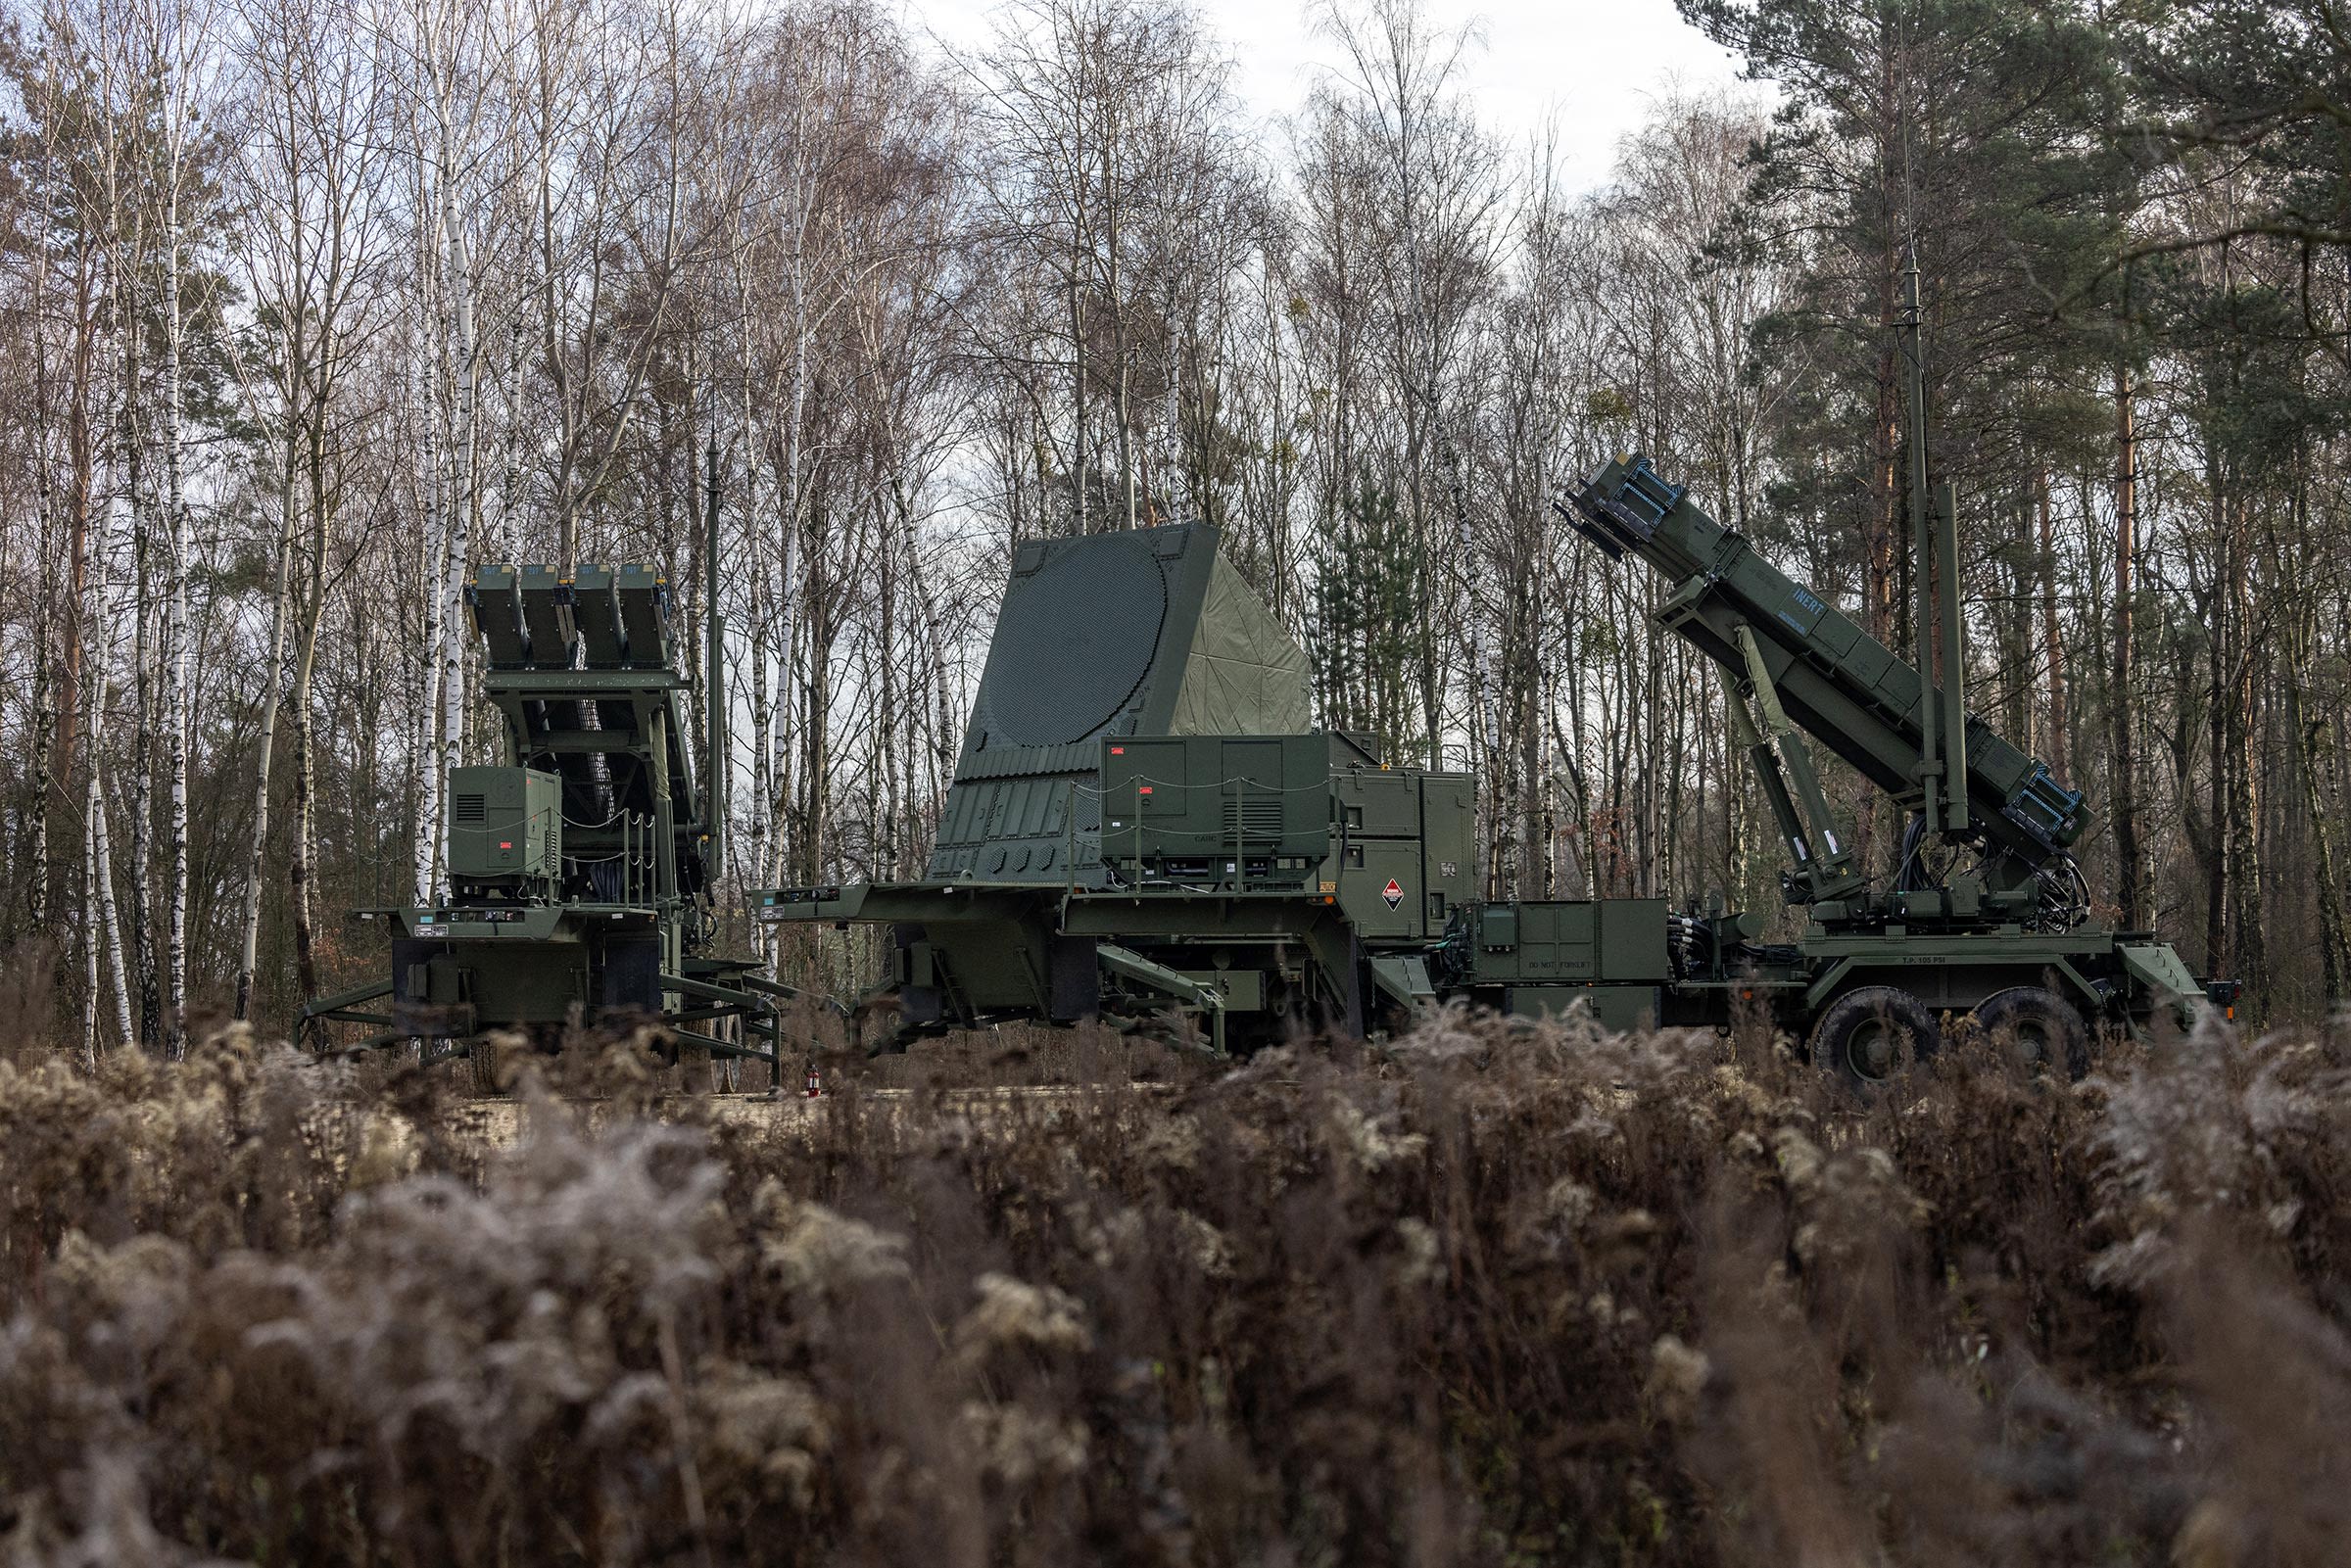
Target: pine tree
{"points": [[1370, 583]]}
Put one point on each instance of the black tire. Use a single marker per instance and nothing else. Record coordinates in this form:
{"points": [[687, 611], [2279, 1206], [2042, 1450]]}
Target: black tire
{"points": [[1861, 1036], [481, 1061], [693, 1068], [2041, 1027]]}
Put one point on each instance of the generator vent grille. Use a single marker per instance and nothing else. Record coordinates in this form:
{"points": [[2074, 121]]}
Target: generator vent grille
{"points": [[471, 808], [1253, 816]]}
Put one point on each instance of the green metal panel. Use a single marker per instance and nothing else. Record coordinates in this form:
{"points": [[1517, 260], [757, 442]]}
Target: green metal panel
{"points": [[1143, 633], [1632, 939], [1379, 887], [1571, 939], [1217, 807], [1448, 846], [1537, 941], [1612, 1007], [1378, 803], [530, 983]]}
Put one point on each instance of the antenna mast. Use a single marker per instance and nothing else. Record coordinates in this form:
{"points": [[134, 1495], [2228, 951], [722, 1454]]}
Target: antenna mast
{"points": [[1935, 548]]}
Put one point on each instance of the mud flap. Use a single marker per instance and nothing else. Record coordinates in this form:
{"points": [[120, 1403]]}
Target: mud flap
{"points": [[1074, 974]]}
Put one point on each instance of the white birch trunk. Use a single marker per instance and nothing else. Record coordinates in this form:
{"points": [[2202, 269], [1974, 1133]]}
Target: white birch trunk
{"points": [[795, 427], [91, 937], [102, 928], [177, 699], [764, 868], [102, 879], [454, 631], [424, 847], [147, 668], [249, 928]]}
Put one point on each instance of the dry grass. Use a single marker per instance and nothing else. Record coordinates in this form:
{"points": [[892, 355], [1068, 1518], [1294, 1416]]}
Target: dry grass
{"points": [[1498, 1297]]}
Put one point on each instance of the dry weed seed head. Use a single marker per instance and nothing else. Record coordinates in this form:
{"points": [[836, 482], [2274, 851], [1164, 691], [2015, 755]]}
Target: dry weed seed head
{"points": [[1369, 1139], [814, 1252], [1501, 1296], [1014, 1314]]}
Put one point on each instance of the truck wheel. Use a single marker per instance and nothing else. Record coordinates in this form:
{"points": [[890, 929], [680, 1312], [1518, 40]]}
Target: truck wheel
{"points": [[1860, 1037], [2047, 1030], [481, 1058]]}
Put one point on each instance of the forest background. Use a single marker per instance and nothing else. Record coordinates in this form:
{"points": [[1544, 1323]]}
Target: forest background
{"points": [[309, 305]]}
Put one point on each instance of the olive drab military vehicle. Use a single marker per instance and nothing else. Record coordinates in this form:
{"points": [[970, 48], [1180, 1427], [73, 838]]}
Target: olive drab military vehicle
{"points": [[1141, 823], [1141, 820], [580, 867]]}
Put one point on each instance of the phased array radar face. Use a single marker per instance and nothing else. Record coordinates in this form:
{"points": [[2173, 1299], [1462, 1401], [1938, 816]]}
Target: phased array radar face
{"points": [[1074, 642]]}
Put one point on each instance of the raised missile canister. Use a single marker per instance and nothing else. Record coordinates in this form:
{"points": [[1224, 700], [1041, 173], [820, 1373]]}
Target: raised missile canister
{"points": [[1840, 685], [496, 594], [547, 614]]}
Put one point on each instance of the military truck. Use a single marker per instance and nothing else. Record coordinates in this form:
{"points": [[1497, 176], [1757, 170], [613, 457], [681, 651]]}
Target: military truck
{"points": [[1141, 822]]}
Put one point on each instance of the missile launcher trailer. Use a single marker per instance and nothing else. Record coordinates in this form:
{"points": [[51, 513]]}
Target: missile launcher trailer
{"points": [[580, 867], [2006, 937]]}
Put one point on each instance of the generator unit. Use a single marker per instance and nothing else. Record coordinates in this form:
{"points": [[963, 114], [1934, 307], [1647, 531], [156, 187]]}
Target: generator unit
{"points": [[1316, 813], [506, 833]]}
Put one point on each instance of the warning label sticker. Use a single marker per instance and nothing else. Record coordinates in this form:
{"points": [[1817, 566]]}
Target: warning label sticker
{"points": [[1393, 892]]}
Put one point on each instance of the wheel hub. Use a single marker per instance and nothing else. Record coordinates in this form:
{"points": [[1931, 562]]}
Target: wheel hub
{"points": [[1873, 1050]]}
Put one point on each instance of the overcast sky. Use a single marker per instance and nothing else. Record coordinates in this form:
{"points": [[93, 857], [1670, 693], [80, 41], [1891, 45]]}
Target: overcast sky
{"points": [[1595, 64]]}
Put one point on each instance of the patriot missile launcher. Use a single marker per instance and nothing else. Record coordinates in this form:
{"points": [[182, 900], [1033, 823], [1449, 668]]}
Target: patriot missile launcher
{"points": [[1987, 914], [580, 867]]}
